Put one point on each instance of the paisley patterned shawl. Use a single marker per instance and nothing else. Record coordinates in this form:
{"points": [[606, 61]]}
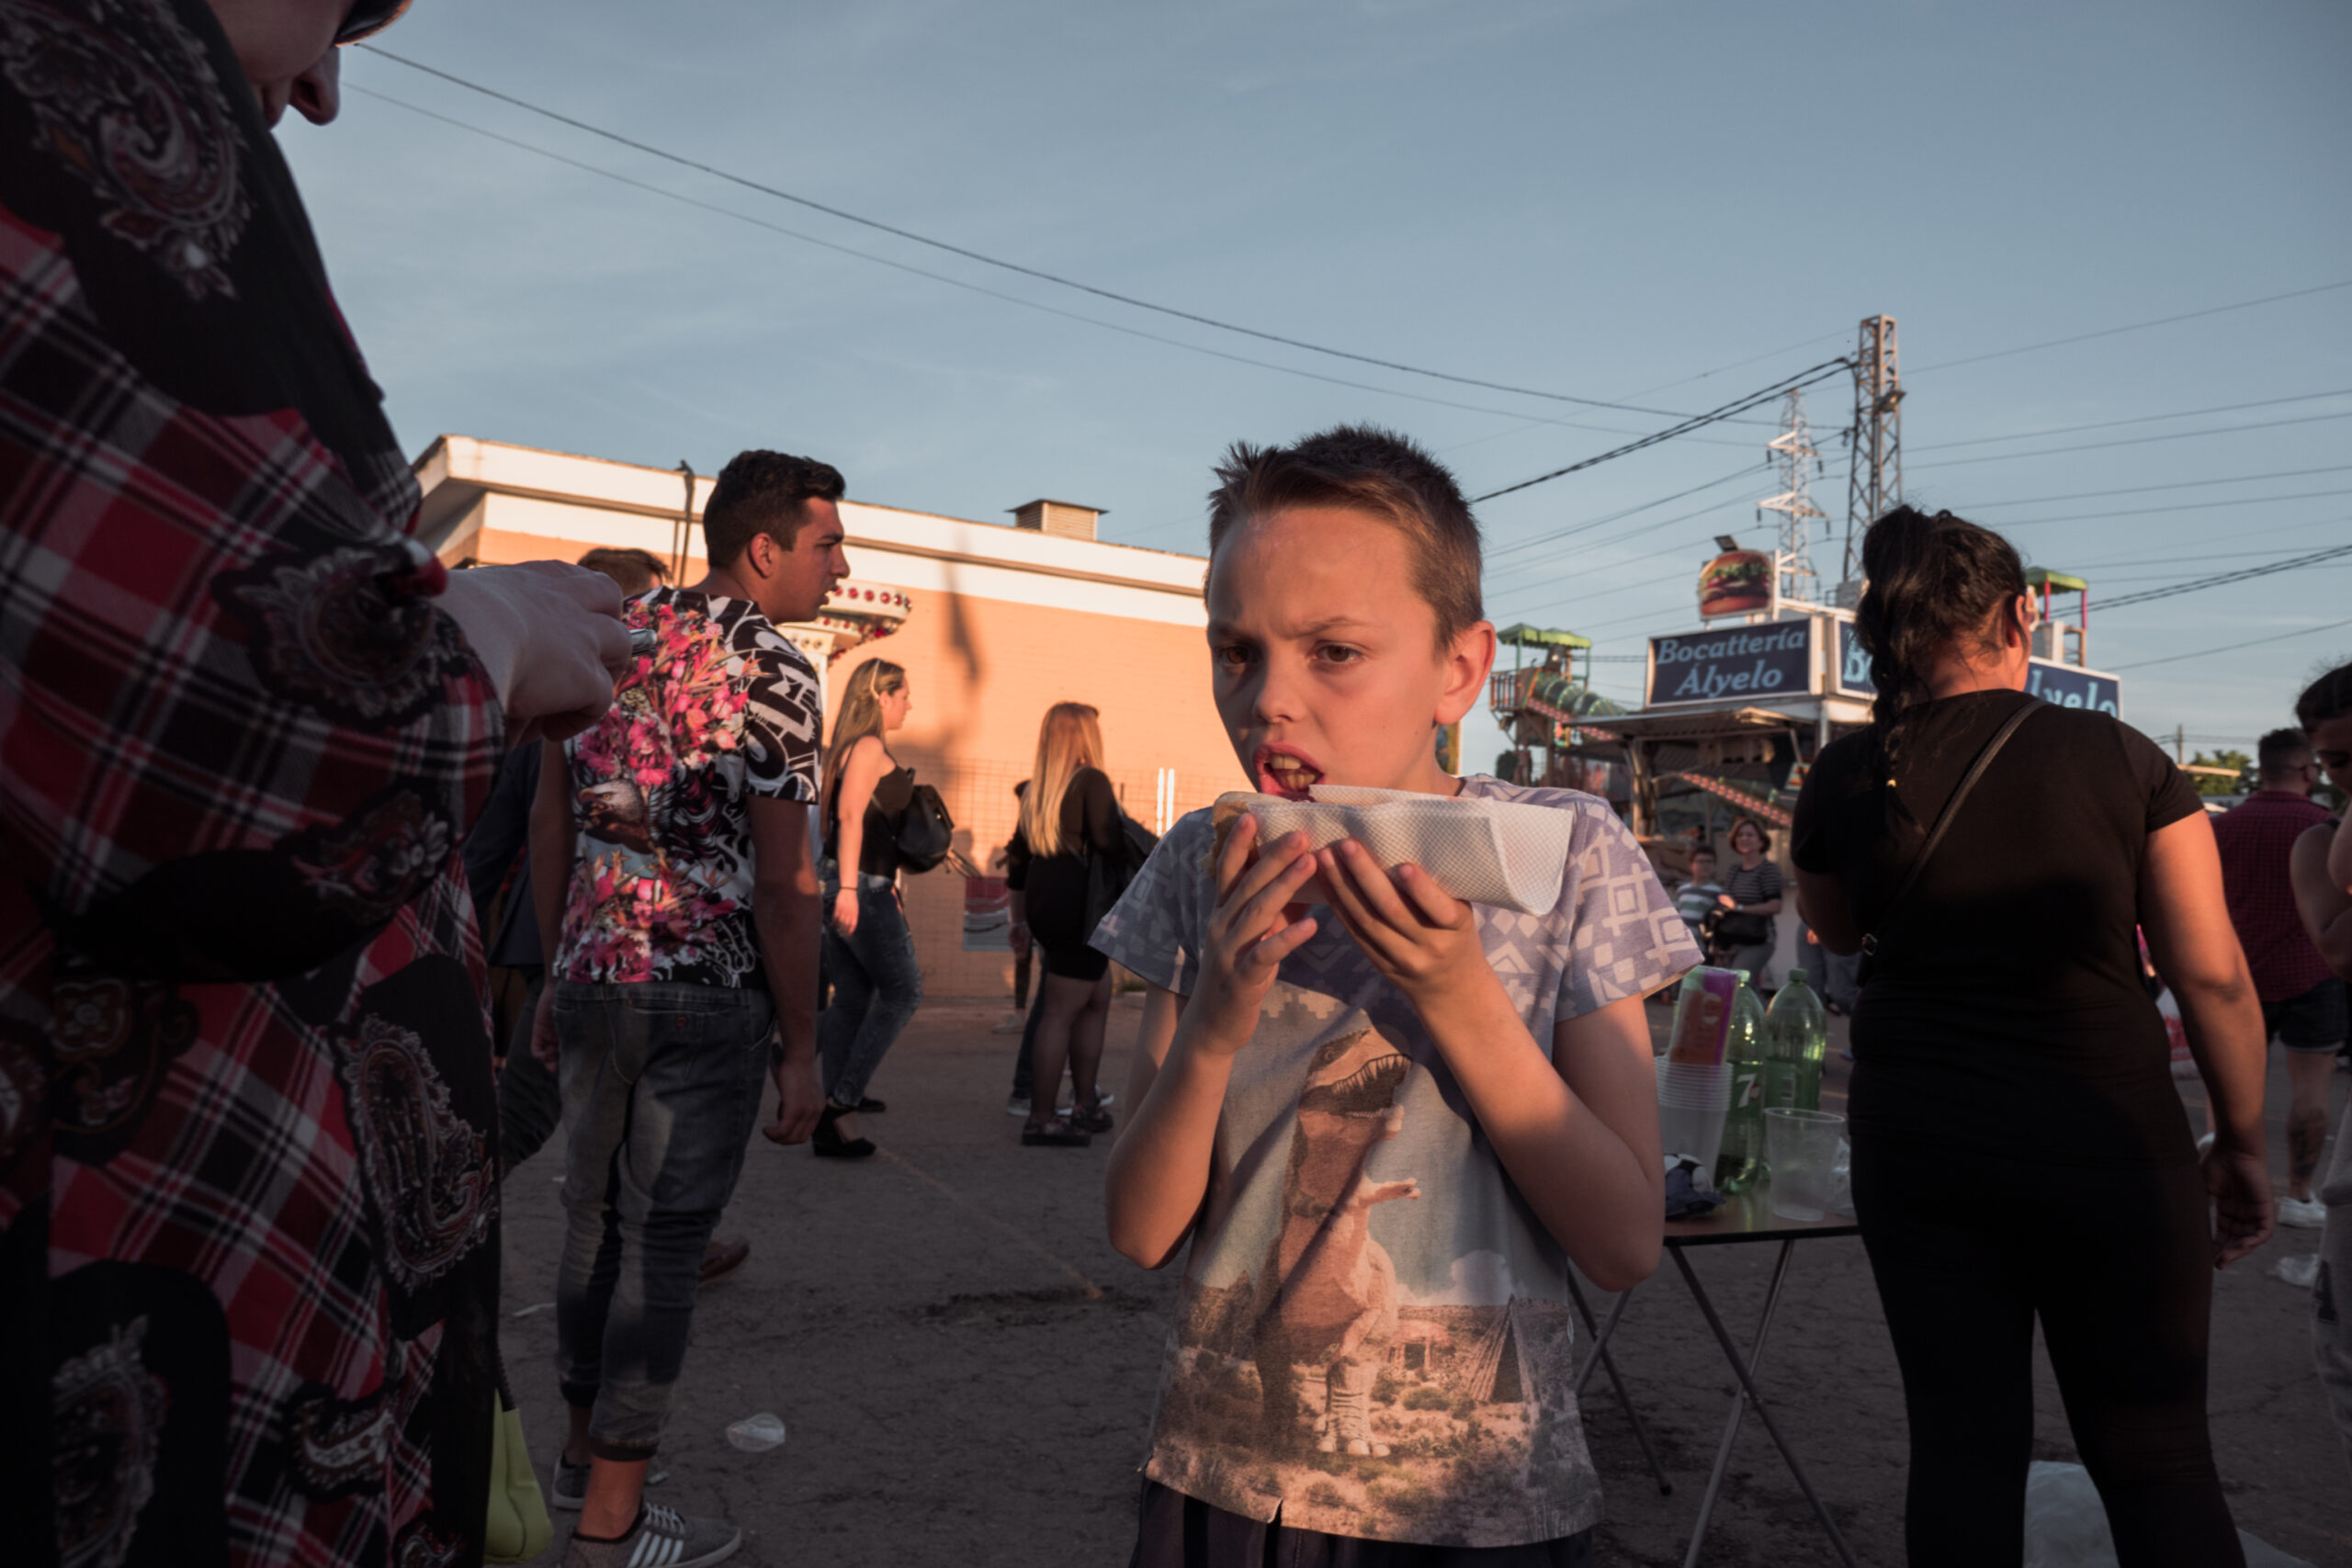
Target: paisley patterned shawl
{"points": [[248, 1218]]}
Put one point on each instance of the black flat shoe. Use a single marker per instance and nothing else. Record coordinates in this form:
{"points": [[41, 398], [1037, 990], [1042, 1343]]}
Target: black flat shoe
{"points": [[1055, 1134], [1094, 1118], [827, 1143], [870, 1106]]}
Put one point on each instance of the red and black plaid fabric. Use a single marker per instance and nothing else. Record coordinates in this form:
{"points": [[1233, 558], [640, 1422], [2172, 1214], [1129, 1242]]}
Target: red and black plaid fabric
{"points": [[248, 1208], [2257, 838]]}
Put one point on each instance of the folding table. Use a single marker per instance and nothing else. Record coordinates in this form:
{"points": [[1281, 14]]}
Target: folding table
{"points": [[1747, 1218]]}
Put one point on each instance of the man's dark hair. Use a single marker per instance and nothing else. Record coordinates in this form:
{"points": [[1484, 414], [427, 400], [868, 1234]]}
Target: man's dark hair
{"points": [[762, 493], [635, 571], [1368, 469], [2280, 748]]}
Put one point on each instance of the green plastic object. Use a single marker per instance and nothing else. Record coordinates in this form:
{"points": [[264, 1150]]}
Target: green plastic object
{"points": [[1740, 1161], [1796, 1043]]}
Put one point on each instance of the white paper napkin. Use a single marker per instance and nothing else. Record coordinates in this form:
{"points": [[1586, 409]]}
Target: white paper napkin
{"points": [[1484, 851]]}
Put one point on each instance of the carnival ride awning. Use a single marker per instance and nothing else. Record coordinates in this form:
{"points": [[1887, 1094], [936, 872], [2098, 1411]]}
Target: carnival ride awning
{"points": [[2056, 581], [1522, 635], [1657, 726], [1754, 806]]}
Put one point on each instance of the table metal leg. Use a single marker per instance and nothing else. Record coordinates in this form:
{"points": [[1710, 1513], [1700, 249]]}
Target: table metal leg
{"points": [[1738, 1407], [1600, 1354], [1747, 1390]]}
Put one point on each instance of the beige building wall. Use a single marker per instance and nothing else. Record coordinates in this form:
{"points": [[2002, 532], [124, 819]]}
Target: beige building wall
{"points": [[999, 623]]}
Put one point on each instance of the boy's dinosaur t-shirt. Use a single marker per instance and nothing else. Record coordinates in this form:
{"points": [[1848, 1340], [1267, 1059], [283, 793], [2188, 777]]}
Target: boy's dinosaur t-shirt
{"points": [[1375, 1335]]}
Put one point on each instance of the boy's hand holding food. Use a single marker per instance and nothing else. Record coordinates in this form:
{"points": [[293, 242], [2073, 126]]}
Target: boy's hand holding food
{"points": [[1250, 934], [1422, 938]]}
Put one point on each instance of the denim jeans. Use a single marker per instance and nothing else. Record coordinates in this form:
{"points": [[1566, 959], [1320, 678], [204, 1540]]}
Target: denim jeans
{"points": [[661, 1087], [876, 985]]}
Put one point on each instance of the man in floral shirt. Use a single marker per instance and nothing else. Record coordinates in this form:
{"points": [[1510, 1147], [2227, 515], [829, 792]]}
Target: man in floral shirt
{"points": [[671, 850]]}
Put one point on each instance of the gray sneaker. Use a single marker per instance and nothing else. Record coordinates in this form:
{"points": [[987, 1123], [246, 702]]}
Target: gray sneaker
{"points": [[663, 1538], [570, 1486]]}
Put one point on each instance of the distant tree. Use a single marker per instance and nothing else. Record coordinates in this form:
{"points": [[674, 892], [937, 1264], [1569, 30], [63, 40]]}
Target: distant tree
{"points": [[2239, 780]]}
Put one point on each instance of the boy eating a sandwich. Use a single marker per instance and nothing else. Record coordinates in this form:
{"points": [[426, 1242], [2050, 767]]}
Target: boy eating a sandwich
{"points": [[1387, 1120]]}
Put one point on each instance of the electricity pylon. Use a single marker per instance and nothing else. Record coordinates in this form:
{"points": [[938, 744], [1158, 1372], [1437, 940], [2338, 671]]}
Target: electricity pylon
{"points": [[1798, 463], [1874, 476]]}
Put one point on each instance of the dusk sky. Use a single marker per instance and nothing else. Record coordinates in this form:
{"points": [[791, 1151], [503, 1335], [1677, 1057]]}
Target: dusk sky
{"points": [[1664, 205]]}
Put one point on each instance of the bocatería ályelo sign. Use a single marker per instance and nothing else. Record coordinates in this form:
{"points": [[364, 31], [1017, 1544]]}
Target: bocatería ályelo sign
{"points": [[1773, 660], [2063, 684]]}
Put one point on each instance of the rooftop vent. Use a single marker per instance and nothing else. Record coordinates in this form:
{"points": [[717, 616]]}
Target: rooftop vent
{"points": [[1061, 519]]}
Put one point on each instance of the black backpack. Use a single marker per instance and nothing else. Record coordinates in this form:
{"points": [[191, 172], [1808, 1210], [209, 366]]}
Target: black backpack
{"points": [[926, 832]]}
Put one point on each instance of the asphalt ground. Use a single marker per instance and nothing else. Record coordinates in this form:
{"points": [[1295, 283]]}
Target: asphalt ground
{"points": [[965, 1368]]}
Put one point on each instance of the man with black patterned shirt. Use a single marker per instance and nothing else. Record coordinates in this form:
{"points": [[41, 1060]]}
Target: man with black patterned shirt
{"points": [[671, 850]]}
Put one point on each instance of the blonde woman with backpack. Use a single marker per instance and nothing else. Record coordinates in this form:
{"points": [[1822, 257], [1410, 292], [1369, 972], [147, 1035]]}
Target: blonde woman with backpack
{"points": [[869, 955]]}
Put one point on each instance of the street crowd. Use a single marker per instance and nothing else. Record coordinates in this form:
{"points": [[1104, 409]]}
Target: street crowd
{"points": [[281, 791]]}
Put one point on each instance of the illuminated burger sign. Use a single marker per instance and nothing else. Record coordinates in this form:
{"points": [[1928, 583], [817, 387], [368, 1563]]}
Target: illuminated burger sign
{"points": [[1736, 583]]}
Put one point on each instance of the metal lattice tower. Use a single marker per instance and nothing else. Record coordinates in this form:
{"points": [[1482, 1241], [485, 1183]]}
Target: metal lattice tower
{"points": [[1798, 462], [1874, 476]]}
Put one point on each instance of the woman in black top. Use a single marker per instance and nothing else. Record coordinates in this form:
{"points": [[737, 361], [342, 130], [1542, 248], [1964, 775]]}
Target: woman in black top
{"points": [[2019, 1149], [1752, 891], [869, 955], [1068, 816]]}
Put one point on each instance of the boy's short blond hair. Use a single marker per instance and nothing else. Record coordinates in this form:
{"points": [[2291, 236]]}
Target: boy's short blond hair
{"points": [[1364, 469]]}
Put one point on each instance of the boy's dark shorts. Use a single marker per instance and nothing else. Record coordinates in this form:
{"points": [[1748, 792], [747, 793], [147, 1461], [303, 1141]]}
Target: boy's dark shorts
{"points": [[2316, 1021]]}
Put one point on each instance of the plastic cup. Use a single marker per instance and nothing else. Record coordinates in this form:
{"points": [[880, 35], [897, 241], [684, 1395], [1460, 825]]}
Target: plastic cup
{"points": [[1691, 1102], [1800, 1147], [757, 1434]]}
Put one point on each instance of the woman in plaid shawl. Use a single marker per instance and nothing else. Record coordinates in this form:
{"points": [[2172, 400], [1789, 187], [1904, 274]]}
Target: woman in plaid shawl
{"points": [[248, 1213]]}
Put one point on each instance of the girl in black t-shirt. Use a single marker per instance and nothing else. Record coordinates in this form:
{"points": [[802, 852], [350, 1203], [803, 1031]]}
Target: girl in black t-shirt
{"points": [[2018, 1150], [1070, 818]]}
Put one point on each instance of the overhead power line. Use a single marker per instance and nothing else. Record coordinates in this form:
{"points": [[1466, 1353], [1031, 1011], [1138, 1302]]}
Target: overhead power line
{"points": [[1745, 470], [2134, 326], [2196, 583], [986, 260], [960, 283], [2134, 441], [2177, 484], [2186, 506], [1806, 377], [2137, 419], [2232, 648]]}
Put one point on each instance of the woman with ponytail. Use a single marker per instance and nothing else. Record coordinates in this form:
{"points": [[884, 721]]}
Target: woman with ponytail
{"points": [[869, 955], [2019, 1150]]}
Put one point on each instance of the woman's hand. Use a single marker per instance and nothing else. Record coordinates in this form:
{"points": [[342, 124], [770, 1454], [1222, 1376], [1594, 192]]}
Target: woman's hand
{"points": [[543, 1045], [1249, 936], [845, 910], [2243, 1214], [1019, 939], [551, 636], [1423, 939], [1727, 901]]}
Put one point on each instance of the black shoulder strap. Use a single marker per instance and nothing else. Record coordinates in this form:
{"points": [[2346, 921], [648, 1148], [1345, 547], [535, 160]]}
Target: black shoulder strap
{"points": [[1943, 818]]}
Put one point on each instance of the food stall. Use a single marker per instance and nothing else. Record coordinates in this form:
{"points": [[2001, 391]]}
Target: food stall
{"points": [[1733, 714]]}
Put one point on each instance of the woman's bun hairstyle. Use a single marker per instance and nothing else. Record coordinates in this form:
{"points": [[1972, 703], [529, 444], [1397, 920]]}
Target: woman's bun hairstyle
{"points": [[2328, 697], [1934, 582]]}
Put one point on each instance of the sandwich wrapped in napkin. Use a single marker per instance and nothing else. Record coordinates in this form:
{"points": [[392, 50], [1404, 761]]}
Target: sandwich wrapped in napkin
{"points": [[1483, 851]]}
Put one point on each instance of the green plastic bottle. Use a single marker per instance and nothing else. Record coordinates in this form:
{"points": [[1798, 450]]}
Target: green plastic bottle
{"points": [[1741, 1159], [1796, 1043]]}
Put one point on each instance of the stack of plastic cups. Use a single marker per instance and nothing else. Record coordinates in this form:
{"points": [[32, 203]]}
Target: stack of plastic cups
{"points": [[1692, 1099]]}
